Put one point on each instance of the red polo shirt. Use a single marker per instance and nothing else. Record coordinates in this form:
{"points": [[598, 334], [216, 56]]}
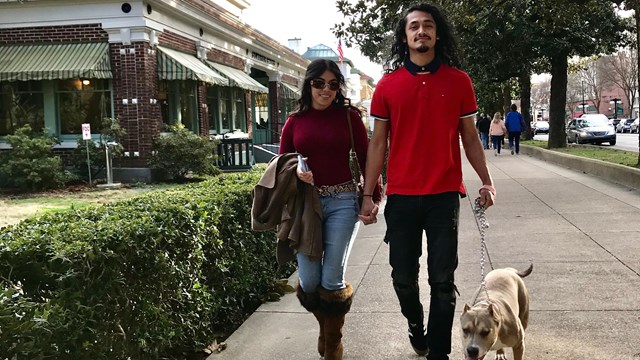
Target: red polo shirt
{"points": [[424, 111]]}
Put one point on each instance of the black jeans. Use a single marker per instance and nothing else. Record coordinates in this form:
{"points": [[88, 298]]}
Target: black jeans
{"points": [[407, 216]]}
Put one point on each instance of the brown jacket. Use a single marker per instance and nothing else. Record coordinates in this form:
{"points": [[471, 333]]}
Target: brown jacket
{"points": [[281, 200]]}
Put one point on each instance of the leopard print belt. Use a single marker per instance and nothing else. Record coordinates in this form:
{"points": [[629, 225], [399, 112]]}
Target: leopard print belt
{"points": [[326, 190]]}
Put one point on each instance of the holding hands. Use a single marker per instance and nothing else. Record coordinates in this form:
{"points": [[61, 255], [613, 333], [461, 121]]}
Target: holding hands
{"points": [[369, 211]]}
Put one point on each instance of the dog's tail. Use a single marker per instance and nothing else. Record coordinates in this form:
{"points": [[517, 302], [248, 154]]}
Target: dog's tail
{"points": [[526, 272]]}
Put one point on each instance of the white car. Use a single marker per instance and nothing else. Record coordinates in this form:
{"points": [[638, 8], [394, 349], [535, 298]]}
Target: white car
{"points": [[634, 126], [624, 125]]}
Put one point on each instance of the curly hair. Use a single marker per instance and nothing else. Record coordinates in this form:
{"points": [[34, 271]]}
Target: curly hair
{"points": [[446, 47], [314, 71]]}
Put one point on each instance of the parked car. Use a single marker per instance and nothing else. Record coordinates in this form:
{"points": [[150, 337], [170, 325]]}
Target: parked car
{"points": [[540, 127], [624, 125], [634, 126], [614, 122], [591, 128]]}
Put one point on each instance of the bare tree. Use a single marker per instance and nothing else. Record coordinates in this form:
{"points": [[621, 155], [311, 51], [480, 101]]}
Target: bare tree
{"points": [[540, 95], [594, 79], [622, 71]]}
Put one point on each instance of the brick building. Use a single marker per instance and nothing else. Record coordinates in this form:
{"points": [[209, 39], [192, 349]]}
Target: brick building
{"points": [[145, 63]]}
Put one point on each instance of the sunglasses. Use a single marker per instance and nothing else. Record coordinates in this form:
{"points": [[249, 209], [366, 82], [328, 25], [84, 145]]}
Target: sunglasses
{"points": [[320, 84]]}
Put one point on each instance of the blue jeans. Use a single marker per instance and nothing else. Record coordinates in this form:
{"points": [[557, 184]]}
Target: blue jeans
{"points": [[514, 137], [339, 227], [497, 142], [485, 139]]}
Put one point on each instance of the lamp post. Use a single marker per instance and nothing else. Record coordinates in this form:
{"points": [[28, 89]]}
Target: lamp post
{"points": [[615, 102], [583, 103]]}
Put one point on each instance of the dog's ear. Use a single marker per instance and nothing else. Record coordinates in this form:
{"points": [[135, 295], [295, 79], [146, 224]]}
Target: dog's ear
{"points": [[494, 312], [466, 308]]}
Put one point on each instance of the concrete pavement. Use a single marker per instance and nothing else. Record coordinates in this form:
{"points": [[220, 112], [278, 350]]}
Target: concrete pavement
{"points": [[581, 233]]}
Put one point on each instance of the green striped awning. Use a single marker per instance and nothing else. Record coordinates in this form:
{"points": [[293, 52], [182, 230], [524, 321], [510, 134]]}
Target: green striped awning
{"points": [[289, 91], [54, 61], [239, 78], [176, 65]]}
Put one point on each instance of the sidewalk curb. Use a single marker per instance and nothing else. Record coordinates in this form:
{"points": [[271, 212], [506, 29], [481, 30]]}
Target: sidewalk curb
{"points": [[624, 175]]}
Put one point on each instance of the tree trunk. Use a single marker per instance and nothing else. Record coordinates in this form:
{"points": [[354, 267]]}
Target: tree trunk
{"points": [[636, 6], [506, 98], [525, 102], [557, 134]]}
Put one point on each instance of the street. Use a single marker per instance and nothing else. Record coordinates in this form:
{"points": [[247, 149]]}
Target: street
{"points": [[628, 142]]}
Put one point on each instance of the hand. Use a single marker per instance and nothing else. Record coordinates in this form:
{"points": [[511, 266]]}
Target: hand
{"points": [[369, 211], [305, 176], [487, 198]]}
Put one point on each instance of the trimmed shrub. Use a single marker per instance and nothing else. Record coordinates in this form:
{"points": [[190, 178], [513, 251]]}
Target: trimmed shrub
{"points": [[153, 277], [182, 152], [30, 164]]}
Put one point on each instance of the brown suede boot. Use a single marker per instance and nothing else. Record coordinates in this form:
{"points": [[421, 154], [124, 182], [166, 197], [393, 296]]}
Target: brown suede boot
{"points": [[311, 302], [334, 305]]}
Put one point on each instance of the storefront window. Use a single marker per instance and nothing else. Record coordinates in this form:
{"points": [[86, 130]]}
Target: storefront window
{"points": [[226, 109], [21, 103], [178, 103], [240, 120], [82, 101]]}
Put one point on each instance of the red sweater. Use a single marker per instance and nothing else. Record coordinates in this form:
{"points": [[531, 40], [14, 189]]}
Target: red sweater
{"points": [[323, 137]]}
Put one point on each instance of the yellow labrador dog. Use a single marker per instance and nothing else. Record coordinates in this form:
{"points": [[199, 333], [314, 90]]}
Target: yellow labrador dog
{"points": [[499, 321]]}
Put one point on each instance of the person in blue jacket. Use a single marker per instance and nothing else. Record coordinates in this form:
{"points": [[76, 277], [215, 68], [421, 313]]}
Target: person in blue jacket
{"points": [[515, 126]]}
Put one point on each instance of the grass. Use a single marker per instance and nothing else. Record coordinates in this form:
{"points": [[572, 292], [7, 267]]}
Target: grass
{"points": [[622, 157], [14, 208]]}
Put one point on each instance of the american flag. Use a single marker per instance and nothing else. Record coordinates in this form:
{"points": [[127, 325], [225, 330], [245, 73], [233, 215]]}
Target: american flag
{"points": [[340, 53]]}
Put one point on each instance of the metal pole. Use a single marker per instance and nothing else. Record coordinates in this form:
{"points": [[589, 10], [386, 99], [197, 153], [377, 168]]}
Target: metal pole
{"points": [[109, 179], [88, 160]]}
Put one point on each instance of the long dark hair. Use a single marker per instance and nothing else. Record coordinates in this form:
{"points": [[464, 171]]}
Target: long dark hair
{"points": [[446, 45], [314, 71]]}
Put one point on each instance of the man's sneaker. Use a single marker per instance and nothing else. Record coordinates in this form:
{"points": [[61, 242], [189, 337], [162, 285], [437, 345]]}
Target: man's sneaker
{"points": [[512, 152], [418, 338]]}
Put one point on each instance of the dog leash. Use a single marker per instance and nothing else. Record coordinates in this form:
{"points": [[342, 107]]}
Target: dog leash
{"points": [[483, 225]]}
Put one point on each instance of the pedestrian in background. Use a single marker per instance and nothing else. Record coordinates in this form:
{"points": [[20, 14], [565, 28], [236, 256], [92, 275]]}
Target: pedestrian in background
{"points": [[484, 122], [319, 131], [423, 107], [515, 125], [497, 131]]}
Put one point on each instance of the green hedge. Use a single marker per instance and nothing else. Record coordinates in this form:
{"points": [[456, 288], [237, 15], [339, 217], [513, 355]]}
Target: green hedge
{"points": [[154, 277]]}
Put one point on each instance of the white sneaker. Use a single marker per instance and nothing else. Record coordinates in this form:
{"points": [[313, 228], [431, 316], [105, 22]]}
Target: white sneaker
{"points": [[512, 152], [495, 152]]}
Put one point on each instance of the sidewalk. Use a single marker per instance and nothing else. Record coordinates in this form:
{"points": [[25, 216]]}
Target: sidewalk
{"points": [[581, 233]]}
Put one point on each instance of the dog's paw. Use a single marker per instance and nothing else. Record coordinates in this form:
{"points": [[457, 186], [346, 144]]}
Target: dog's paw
{"points": [[501, 357]]}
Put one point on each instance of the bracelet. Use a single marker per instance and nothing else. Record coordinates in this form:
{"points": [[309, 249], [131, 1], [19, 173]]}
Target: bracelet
{"points": [[367, 195], [490, 188]]}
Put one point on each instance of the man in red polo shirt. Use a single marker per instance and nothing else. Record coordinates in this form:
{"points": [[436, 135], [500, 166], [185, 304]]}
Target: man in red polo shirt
{"points": [[423, 107]]}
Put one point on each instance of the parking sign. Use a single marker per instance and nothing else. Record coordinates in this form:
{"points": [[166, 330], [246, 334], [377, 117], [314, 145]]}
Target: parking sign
{"points": [[86, 131]]}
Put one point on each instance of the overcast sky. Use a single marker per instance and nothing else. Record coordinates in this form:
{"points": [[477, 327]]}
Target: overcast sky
{"points": [[308, 20]]}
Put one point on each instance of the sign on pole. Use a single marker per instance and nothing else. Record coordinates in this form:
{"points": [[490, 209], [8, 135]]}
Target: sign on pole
{"points": [[86, 135], [86, 131]]}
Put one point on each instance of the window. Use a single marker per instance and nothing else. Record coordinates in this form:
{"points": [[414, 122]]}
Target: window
{"points": [[178, 103], [226, 109], [82, 101], [21, 103]]}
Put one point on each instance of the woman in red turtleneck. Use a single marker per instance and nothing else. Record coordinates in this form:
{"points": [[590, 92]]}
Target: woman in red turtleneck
{"points": [[319, 131]]}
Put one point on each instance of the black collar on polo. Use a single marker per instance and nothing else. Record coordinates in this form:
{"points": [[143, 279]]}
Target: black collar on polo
{"points": [[431, 67]]}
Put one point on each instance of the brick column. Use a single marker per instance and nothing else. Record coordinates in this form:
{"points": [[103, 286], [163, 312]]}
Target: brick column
{"points": [[274, 110], [135, 80]]}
